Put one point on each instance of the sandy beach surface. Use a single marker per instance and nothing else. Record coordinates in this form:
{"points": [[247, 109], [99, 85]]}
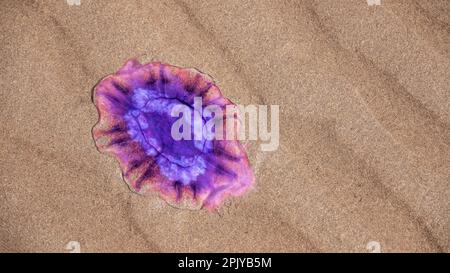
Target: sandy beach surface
{"points": [[364, 97]]}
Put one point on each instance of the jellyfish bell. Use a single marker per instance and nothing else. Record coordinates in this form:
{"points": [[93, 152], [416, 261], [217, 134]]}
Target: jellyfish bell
{"points": [[136, 121]]}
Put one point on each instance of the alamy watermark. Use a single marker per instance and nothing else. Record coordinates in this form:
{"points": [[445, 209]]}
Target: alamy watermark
{"points": [[73, 2], [374, 247], [373, 2], [231, 122], [73, 247]]}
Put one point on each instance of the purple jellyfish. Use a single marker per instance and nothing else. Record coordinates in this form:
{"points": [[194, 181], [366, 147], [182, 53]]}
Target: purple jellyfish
{"points": [[135, 107]]}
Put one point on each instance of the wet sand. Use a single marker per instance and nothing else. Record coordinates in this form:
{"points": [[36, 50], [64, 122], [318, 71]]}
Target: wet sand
{"points": [[364, 96]]}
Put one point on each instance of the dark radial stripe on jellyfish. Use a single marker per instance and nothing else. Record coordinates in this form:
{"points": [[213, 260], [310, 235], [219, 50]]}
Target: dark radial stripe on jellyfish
{"points": [[135, 123]]}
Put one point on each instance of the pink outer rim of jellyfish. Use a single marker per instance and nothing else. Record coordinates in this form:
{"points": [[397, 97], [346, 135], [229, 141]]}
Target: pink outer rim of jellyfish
{"points": [[132, 117]]}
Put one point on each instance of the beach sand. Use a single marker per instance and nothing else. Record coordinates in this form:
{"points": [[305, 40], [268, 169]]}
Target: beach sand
{"points": [[364, 97]]}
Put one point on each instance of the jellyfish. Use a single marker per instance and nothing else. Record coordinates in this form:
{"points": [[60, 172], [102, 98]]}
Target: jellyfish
{"points": [[136, 126]]}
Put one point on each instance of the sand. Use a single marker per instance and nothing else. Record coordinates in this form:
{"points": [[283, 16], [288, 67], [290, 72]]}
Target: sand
{"points": [[364, 97]]}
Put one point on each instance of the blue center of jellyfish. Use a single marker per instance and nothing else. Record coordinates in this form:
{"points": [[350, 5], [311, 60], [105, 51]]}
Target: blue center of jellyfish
{"points": [[150, 123]]}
